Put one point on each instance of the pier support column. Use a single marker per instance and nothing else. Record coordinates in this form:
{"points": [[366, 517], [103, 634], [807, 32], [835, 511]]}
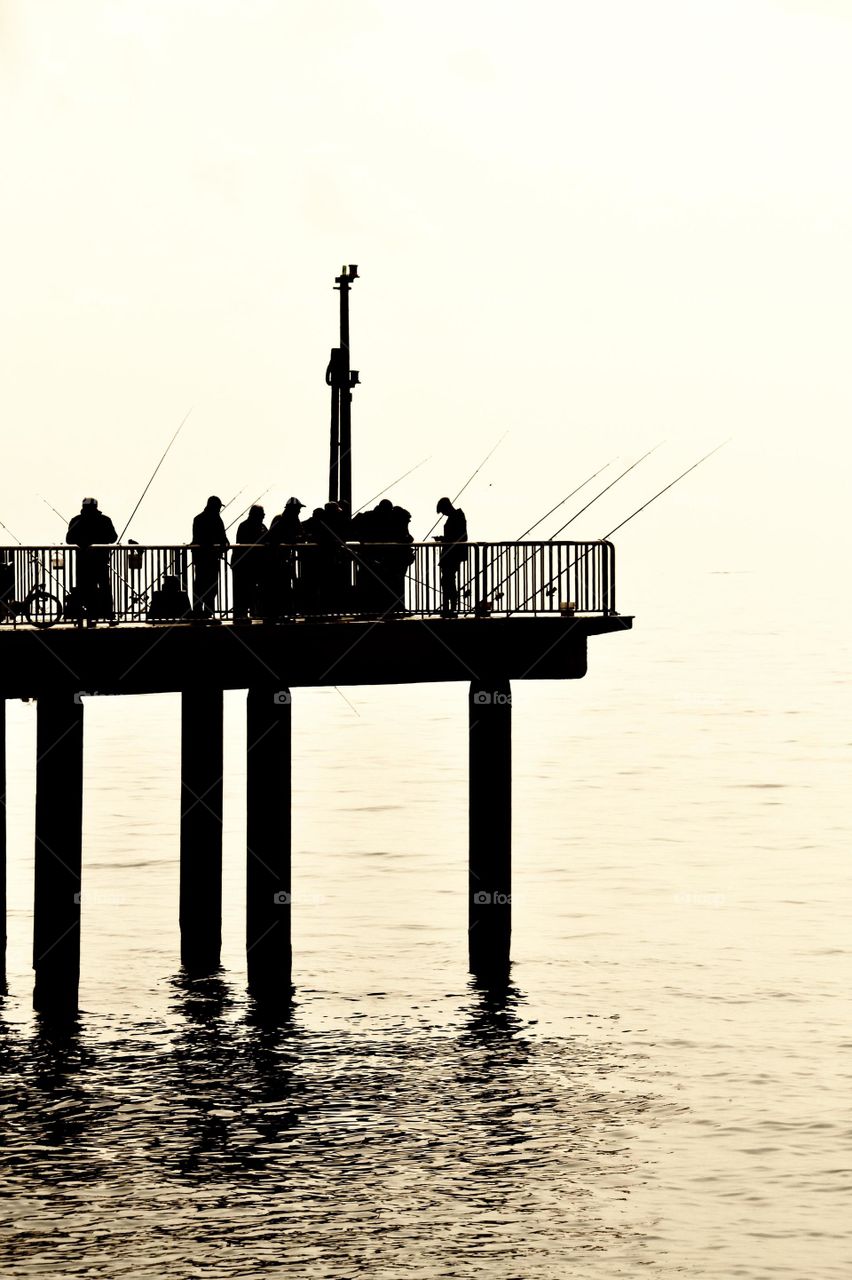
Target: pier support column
{"points": [[268, 804], [58, 852], [3, 842], [201, 830], [490, 831]]}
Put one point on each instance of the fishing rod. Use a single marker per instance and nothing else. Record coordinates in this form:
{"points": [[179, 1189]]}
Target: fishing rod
{"points": [[667, 487], [603, 491], [153, 474], [33, 558], [10, 533], [248, 508], [532, 554], [399, 480], [53, 509], [164, 572], [565, 499], [470, 478], [115, 570], [236, 495]]}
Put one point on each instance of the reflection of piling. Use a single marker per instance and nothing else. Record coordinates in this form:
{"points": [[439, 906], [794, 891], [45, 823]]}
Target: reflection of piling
{"points": [[58, 852], [268, 803], [490, 829], [201, 830]]}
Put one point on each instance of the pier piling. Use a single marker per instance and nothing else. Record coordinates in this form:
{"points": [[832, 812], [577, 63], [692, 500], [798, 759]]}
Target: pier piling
{"points": [[201, 830], [58, 852], [3, 842], [490, 827], [268, 842]]}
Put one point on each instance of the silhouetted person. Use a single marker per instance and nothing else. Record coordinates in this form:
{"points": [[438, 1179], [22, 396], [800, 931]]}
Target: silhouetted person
{"points": [[285, 533], [291, 530], [310, 561], [402, 555], [209, 540], [91, 531], [327, 562], [248, 563], [371, 528], [453, 556], [384, 566]]}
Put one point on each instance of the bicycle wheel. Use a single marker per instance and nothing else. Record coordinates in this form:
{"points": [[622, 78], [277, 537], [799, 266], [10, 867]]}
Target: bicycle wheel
{"points": [[42, 608]]}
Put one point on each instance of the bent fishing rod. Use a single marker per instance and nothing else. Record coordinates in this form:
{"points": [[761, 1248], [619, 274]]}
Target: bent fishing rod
{"points": [[471, 478], [153, 474], [627, 519]]}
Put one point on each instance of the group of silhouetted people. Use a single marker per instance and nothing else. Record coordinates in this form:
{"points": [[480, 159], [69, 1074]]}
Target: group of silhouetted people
{"points": [[292, 566]]}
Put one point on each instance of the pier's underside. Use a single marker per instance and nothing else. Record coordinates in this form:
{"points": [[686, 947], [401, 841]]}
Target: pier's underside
{"points": [[166, 659]]}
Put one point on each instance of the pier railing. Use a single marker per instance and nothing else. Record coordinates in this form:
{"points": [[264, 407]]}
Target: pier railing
{"points": [[42, 585]]}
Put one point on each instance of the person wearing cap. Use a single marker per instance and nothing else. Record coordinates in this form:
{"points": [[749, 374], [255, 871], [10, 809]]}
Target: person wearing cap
{"points": [[453, 556], [209, 540], [92, 531], [285, 531]]}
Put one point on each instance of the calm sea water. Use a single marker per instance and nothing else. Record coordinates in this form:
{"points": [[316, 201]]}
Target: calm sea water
{"points": [[664, 1088]]}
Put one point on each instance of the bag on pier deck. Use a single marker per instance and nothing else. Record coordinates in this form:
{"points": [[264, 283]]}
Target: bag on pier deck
{"points": [[171, 604]]}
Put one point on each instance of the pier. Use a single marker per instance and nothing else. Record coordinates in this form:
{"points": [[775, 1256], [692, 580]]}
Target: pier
{"points": [[527, 612], [341, 613]]}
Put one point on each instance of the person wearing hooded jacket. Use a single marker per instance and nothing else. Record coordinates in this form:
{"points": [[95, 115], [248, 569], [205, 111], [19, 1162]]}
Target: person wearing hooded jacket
{"points": [[248, 564], [91, 531], [209, 540]]}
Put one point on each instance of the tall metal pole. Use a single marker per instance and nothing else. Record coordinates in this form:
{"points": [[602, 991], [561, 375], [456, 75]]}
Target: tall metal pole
{"points": [[347, 379], [332, 377]]}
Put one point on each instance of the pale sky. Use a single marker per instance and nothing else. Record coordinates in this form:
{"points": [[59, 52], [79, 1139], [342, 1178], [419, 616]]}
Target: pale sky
{"points": [[594, 226]]}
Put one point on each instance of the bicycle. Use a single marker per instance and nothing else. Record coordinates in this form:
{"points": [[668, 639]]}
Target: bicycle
{"points": [[38, 606]]}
